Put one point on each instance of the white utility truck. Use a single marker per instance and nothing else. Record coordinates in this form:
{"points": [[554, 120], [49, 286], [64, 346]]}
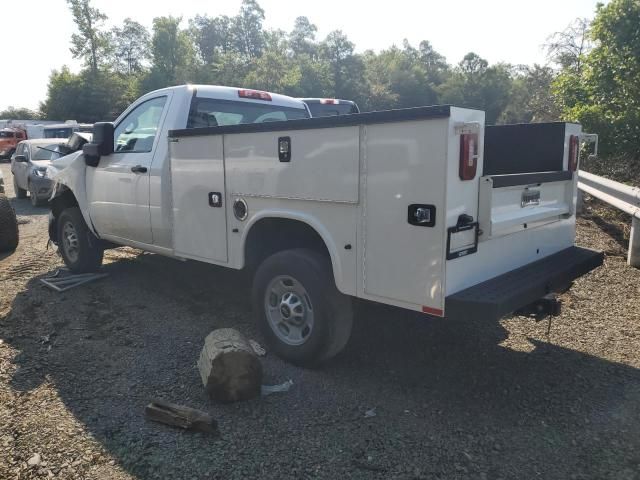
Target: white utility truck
{"points": [[425, 208]]}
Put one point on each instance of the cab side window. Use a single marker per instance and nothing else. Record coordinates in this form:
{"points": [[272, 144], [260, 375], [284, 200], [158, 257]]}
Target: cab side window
{"points": [[137, 131]]}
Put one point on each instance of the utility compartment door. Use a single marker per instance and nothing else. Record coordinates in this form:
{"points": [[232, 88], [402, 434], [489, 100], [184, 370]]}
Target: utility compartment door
{"points": [[405, 168], [198, 192]]}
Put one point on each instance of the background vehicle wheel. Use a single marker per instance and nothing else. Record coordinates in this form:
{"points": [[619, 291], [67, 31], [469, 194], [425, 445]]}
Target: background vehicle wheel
{"points": [[8, 226], [80, 249], [34, 197], [20, 192], [302, 315]]}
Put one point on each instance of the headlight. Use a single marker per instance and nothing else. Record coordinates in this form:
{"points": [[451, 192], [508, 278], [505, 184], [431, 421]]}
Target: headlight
{"points": [[40, 172]]}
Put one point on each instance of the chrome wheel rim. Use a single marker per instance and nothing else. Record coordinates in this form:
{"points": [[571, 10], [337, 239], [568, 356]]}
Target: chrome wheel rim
{"points": [[70, 241], [289, 310]]}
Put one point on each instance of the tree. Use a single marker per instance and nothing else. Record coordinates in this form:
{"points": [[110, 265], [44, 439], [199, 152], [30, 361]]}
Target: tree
{"points": [[568, 47], [130, 47], [530, 96], [475, 84], [18, 113], [86, 97], [90, 43], [247, 31], [399, 78], [212, 36], [347, 69], [172, 53], [604, 94], [274, 70], [302, 37]]}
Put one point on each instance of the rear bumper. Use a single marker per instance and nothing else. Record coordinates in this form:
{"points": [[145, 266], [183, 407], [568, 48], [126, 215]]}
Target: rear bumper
{"points": [[518, 288]]}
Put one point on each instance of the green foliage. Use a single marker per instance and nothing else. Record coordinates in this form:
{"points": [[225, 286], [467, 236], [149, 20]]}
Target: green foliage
{"points": [[475, 84], [90, 43], [597, 82], [172, 54], [16, 113], [85, 97], [530, 98], [604, 94], [246, 30], [130, 47]]}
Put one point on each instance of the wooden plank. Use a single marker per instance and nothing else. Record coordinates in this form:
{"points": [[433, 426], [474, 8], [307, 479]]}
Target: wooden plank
{"points": [[180, 416]]}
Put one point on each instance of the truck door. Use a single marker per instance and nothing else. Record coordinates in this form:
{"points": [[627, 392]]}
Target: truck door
{"points": [[198, 190], [118, 188]]}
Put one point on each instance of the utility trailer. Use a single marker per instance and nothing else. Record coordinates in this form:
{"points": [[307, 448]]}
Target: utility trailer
{"points": [[425, 208]]}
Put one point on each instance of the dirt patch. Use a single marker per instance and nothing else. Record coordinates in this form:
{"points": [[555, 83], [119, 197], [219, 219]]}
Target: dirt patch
{"points": [[452, 400]]}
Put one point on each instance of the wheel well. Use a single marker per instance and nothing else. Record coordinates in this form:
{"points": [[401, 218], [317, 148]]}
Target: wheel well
{"points": [[66, 200], [271, 235]]}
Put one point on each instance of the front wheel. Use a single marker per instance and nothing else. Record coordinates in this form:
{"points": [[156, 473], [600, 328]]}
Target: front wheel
{"points": [[80, 249], [302, 315]]}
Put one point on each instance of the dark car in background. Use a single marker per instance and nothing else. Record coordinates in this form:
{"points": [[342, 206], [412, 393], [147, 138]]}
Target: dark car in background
{"points": [[327, 107]]}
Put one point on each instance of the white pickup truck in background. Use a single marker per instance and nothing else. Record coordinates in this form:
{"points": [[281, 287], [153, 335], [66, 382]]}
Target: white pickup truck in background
{"points": [[424, 208]]}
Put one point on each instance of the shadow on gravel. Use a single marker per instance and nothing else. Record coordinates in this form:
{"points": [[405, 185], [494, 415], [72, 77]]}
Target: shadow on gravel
{"points": [[23, 207], [444, 399]]}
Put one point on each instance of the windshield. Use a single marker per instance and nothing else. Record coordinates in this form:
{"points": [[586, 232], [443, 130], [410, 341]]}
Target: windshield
{"points": [[327, 110], [209, 112], [7, 134], [64, 132], [47, 152]]}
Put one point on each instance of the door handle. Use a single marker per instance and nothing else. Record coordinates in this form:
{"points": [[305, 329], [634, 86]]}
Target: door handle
{"points": [[139, 169]]}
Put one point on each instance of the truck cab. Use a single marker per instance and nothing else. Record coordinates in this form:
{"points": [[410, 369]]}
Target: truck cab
{"points": [[326, 107], [9, 139]]}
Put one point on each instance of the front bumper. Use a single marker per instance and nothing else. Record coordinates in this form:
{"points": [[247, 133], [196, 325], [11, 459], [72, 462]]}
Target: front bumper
{"points": [[518, 288], [42, 186]]}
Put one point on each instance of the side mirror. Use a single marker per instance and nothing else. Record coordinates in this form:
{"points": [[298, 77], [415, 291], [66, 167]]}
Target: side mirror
{"points": [[20, 158], [101, 145]]}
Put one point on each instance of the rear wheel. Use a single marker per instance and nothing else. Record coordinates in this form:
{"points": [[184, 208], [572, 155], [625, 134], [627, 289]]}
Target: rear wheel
{"points": [[302, 315], [20, 192], [8, 225], [80, 249]]}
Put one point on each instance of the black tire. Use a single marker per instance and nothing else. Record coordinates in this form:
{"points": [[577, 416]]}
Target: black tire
{"points": [[8, 226], [82, 252], [20, 192], [332, 311]]}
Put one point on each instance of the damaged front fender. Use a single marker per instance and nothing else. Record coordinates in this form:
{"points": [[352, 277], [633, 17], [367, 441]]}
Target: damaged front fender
{"points": [[68, 174]]}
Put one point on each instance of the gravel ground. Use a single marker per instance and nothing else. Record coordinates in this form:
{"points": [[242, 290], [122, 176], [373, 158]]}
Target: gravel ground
{"points": [[410, 398]]}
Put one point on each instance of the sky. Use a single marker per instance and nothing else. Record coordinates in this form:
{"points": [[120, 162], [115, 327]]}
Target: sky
{"points": [[510, 31]]}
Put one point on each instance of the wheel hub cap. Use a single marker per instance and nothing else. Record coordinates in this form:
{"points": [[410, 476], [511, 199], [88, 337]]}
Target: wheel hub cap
{"points": [[70, 241], [289, 311]]}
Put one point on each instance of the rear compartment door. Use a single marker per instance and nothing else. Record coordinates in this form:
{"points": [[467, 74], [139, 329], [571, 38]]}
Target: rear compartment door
{"points": [[526, 181]]}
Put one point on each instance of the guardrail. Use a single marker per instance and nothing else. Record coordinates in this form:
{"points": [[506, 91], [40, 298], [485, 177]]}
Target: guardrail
{"points": [[623, 197]]}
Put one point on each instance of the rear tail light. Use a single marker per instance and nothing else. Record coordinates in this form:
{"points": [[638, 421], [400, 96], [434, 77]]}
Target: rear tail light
{"points": [[468, 156], [254, 94], [329, 101], [574, 152]]}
